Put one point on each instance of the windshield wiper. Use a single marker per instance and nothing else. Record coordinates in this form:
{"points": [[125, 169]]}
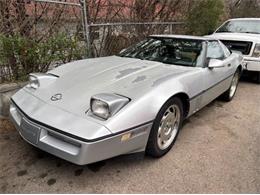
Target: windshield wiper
{"points": [[251, 32], [237, 32], [224, 32]]}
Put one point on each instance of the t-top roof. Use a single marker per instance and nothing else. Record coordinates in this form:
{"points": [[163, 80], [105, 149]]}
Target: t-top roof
{"points": [[184, 37]]}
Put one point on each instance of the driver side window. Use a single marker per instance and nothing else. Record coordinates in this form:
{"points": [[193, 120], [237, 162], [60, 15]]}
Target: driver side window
{"points": [[215, 51]]}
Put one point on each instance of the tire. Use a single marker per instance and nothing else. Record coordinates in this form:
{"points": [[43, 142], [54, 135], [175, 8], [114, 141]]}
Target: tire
{"points": [[165, 128], [230, 93]]}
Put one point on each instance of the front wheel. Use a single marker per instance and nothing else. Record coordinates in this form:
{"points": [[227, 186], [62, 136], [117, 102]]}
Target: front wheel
{"points": [[230, 93], [165, 128]]}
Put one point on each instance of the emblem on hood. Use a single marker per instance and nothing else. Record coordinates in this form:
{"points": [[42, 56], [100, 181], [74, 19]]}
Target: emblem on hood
{"points": [[56, 97]]}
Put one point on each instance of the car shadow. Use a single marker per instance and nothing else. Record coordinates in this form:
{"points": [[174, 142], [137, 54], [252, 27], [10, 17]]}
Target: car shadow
{"points": [[54, 161], [248, 78]]}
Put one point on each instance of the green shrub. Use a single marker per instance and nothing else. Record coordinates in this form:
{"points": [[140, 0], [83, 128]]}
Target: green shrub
{"points": [[20, 56], [204, 16]]}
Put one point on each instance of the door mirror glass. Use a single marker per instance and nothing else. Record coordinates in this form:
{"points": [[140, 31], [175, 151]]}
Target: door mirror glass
{"points": [[215, 63]]}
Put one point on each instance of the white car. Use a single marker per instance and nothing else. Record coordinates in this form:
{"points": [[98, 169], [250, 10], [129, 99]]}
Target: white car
{"points": [[243, 34]]}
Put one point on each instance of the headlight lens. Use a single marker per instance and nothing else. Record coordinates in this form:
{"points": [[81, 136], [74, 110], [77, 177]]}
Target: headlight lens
{"points": [[33, 82], [100, 108], [105, 105], [256, 52]]}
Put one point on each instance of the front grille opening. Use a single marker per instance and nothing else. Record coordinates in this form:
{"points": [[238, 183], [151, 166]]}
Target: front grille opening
{"points": [[64, 139], [243, 46]]}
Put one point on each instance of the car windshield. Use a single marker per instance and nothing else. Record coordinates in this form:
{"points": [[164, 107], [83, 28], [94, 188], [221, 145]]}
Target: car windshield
{"points": [[241, 26], [184, 52]]}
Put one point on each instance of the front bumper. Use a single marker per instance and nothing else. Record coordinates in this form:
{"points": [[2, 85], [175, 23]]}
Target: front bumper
{"points": [[75, 150], [252, 64]]}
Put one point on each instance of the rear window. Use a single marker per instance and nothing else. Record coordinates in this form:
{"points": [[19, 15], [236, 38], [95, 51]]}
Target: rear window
{"points": [[241, 26]]}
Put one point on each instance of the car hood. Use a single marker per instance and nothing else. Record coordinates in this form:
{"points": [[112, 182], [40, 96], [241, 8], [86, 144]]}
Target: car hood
{"points": [[237, 36], [79, 80]]}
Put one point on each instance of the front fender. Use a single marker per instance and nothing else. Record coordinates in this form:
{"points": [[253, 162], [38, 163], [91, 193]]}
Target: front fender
{"points": [[144, 109]]}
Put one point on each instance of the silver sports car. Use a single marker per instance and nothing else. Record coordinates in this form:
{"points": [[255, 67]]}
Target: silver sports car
{"points": [[136, 101]]}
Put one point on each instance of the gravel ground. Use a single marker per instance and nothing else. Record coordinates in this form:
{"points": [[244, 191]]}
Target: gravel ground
{"points": [[217, 151]]}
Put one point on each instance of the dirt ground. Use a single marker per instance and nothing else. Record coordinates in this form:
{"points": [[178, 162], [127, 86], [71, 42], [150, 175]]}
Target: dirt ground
{"points": [[217, 151]]}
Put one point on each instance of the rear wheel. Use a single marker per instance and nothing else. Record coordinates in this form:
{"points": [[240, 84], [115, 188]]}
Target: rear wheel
{"points": [[230, 93], [165, 128]]}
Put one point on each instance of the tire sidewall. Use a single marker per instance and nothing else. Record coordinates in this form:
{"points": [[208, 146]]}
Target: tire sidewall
{"points": [[236, 73], [153, 145]]}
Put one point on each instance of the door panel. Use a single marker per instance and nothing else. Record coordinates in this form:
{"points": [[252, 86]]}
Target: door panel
{"points": [[217, 80]]}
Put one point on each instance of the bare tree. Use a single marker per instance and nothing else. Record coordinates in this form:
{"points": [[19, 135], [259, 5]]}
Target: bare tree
{"points": [[244, 8], [33, 35], [154, 10], [129, 11]]}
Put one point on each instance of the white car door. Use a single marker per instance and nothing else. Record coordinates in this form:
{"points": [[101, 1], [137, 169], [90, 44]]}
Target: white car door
{"points": [[217, 80]]}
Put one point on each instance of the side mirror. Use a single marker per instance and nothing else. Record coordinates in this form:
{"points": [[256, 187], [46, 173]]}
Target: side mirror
{"points": [[215, 63]]}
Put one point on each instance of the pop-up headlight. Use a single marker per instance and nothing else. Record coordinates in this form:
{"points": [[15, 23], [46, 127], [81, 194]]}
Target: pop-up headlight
{"points": [[33, 82], [37, 80], [106, 105]]}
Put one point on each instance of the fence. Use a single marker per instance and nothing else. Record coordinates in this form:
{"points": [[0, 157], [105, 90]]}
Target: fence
{"points": [[38, 34], [110, 38]]}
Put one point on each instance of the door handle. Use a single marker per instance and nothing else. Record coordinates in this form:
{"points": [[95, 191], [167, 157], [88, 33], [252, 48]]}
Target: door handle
{"points": [[229, 65]]}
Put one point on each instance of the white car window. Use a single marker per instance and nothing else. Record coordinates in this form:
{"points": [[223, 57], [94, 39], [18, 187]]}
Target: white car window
{"points": [[240, 26]]}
